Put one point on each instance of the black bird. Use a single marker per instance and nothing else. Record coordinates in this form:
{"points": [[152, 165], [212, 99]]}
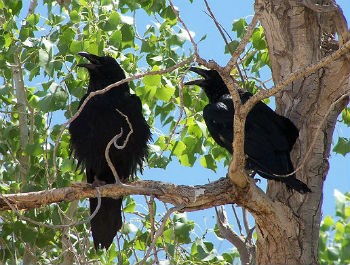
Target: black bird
{"points": [[91, 131], [269, 137]]}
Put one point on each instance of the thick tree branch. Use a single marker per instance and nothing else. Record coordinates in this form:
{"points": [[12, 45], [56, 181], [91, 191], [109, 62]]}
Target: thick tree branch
{"points": [[193, 198]]}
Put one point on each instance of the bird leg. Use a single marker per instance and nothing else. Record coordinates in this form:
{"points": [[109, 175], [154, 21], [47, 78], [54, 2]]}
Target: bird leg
{"points": [[98, 183]]}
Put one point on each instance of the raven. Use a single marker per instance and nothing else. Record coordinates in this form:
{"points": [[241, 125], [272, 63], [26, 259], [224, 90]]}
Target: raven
{"points": [[269, 137], [99, 121]]}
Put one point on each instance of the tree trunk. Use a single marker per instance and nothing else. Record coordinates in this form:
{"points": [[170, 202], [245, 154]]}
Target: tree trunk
{"points": [[295, 35]]}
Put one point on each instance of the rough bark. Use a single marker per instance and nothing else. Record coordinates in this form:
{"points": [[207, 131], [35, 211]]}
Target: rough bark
{"points": [[192, 198], [294, 34]]}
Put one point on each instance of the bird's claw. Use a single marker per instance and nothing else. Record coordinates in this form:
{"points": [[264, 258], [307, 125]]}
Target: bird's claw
{"points": [[98, 183]]}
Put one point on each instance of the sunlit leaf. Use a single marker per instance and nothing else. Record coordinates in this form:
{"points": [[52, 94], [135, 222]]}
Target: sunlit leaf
{"points": [[343, 146]]}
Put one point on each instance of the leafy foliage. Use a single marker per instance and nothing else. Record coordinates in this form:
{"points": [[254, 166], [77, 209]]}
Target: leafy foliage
{"points": [[342, 146], [38, 49], [334, 244]]}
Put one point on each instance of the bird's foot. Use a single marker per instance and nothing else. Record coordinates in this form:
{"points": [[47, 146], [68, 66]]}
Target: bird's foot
{"points": [[98, 183]]}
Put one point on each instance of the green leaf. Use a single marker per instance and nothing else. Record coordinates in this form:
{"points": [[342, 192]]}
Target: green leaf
{"points": [[112, 22], [128, 228], [187, 160], [231, 47], [239, 26], [67, 166], [182, 232], [228, 257], [130, 205], [343, 146], [346, 116], [208, 161], [33, 19], [142, 241], [333, 253], [53, 101], [201, 249], [152, 80], [345, 251], [116, 38], [179, 148], [43, 58], [74, 16], [165, 92], [15, 6], [169, 15], [127, 36], [258, 39], [327, 223], [76, 46], [340, 201], [33, 149]]}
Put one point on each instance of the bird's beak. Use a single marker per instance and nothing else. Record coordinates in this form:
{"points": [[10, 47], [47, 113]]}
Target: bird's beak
{"points": [[198, 82], [93, 59]]}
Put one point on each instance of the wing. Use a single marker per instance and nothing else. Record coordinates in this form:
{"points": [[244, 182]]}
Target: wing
{"points": [[267, 143], [219, 120]]}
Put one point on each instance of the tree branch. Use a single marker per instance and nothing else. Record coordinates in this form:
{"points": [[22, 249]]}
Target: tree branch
{"points": [[302, 72], [247, 254], [18, 84], [193, 198]]}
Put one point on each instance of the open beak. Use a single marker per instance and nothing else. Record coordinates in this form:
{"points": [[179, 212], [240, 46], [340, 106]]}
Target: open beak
{"points": [[93, 59], [198, 82]]}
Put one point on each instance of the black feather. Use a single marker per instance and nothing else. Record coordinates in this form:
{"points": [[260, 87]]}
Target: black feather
{"points": [[91, 131], [269, 137]]}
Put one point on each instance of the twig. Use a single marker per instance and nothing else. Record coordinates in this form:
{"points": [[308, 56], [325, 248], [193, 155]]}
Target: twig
{"points": [[231, 236], [318, 131], [231, 64], [108, 159], [119, 147], [302, 72], [249, 236], [151, 218], [176, 12], [160, 231], [245, 220], [182, 111], [237, 220], [221, 31], [33, 4], [131, 131]]}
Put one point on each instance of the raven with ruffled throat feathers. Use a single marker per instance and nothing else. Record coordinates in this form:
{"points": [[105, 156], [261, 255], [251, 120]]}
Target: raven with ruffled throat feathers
{"points": [[269, 137], [99, 121]]}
